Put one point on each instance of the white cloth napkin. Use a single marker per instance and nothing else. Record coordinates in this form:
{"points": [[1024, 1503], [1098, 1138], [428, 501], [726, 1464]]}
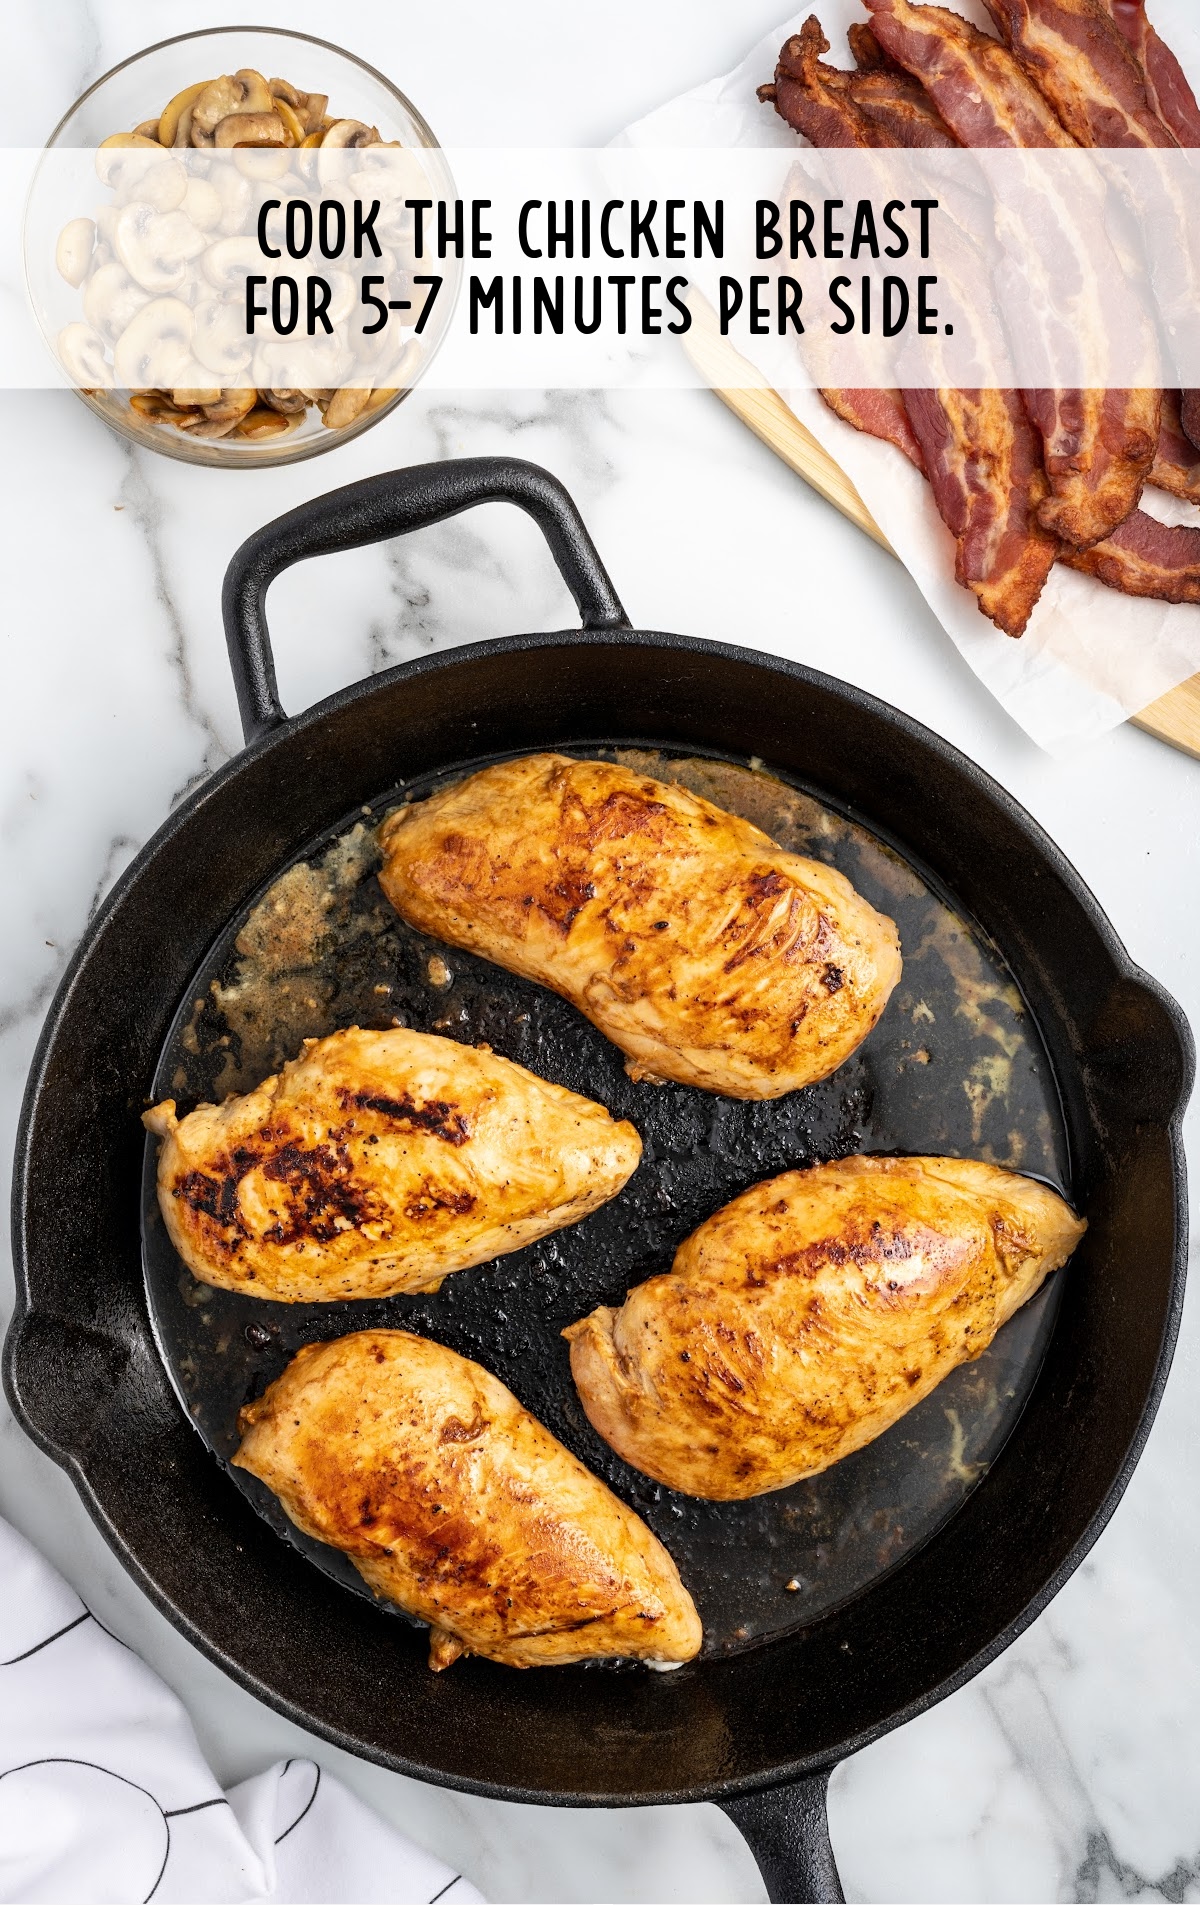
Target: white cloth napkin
{"points": [[104, 1794]]}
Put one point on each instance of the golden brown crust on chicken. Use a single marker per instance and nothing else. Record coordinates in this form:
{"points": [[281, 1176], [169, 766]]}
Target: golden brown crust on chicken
{"points": [[454, 1502], [810, 1314], [706, 953], [378, 1162]]}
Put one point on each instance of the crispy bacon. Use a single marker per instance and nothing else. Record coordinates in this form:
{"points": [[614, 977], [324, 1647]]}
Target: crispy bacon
{"points": [[1166, 83], [1189, 416], [976, 84], [1079, 59], [984, 462], [830, 107], [898, 110], [868, 55], [878, 413], [1177, 464], [1099, 446], [812, 97], [1145, 557]]}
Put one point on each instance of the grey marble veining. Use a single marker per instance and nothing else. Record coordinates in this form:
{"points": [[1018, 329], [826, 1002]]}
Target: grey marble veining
{"points": [[1071, 1768]]}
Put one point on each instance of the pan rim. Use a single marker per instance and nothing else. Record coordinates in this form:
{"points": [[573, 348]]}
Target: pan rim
{"points": [[1124, 968]]}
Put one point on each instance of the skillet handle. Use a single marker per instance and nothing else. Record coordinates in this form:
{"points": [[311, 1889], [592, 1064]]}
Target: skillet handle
{"points": [[385, 506], [787, 1829]]}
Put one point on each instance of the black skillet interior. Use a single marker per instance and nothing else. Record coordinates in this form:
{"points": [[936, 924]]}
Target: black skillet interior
{"points": [[955, 1067], [86, 1377]]}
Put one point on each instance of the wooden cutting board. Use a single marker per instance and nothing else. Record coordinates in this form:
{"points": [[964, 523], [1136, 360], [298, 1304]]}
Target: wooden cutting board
{"points": [[1175, 719]]}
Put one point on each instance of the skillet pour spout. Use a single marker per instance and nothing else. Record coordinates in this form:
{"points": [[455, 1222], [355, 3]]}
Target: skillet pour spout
{"points": [[756, 1731]]}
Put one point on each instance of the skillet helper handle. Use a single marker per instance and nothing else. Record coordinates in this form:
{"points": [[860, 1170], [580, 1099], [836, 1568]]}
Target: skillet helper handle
{"points": [[375, 510], [787, 1829]]}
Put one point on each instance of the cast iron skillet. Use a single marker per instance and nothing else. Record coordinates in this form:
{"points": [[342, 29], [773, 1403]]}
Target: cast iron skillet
{"points": [[757, 1732]]}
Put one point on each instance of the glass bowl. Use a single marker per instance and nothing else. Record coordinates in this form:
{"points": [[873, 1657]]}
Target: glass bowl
{"points": [[137, 90]]}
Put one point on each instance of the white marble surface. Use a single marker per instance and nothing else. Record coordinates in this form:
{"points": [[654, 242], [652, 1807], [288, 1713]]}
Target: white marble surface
{"points": [[1071, 1769]]}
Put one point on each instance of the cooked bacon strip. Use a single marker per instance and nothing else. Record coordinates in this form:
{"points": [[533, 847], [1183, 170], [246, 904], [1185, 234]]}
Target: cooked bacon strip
{"points": [[1189, 416], [835, 108], [868, 55], [984, 462], [898, 110], [1166, 83], [878, 413], [1145, 557], [1079, 59], [812, 97], [1099, 447], [976, 84], [1177, 464]]}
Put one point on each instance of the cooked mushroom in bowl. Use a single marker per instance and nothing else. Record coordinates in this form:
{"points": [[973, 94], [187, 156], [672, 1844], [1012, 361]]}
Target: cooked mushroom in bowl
{"points": [[142, 292]]}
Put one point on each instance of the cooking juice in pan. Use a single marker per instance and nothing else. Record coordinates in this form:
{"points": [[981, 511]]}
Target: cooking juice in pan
{"points": [[955, 1066]]}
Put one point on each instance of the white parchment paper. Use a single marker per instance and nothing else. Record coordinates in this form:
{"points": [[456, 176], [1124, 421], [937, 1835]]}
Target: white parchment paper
{"points": [[1090, 657]]}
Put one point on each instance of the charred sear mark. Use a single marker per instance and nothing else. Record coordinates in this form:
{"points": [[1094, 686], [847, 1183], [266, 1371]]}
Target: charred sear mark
{"points": [[436, 1116], [325, 1199], [833, 978], [211, 1197], [431, 1199]]}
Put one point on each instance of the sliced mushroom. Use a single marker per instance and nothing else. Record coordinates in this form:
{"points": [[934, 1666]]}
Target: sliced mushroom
{"points": [[242, 92], [156, 407], [202, 203], [124, 157], [154, 352], [308, 107], [220, 340], [289, 402], [111, 300], [343, 294], [233, 190], [100, 257], [124, 142], [81, 354], [148, 130], [223, 415], [195, 399], [378, 398], [250, 129], [73, 253], [160, 182], [349, 132], [344, 406], [228, 263], [262, 422], [156, 247], [183, 135], [298, 363], [171, 132], [262, 165], [293, 125]]}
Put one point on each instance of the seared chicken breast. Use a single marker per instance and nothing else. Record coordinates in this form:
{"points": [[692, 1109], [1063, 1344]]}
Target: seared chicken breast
{"points": [[378, 1162], [810, 1314], [701, 949], [454, 1502]]}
